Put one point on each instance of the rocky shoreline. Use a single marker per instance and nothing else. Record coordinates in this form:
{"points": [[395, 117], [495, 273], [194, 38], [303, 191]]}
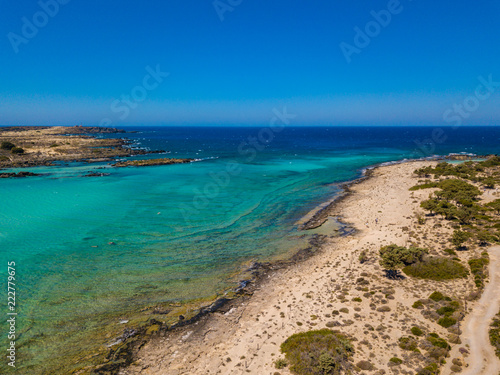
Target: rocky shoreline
{"points": [[125, 352], [19, 174], [31, 146]]}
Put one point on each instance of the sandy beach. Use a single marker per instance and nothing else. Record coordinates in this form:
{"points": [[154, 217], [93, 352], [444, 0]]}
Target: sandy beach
{"points": [[331, 289]]}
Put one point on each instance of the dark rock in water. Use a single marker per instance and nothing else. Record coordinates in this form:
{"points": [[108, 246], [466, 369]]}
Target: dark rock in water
{"points": [[255, 266], [242, 286], [111, 243], [96, 174], [19, 175], [128, 333]]}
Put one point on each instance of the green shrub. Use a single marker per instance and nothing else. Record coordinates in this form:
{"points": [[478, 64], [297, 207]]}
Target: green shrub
{"points": [[17, 150], [417, 331], [484, 238], [459, 238], [495, 334], [396, 360], [394, 257], [364, 365], [447, 321], [457, 190], [450, 252], [318, 352], [436, 268], [456, 368], [437, 341], [432, 369], [426, 185], [495, 206], [491, 162], [478, 269], [446, 310], [280, 363], [363, 257], [489, 182], [6, 145], [437, 296], [408, 343], [327, 364], [418, 304], [430, 205], [357, 299]]}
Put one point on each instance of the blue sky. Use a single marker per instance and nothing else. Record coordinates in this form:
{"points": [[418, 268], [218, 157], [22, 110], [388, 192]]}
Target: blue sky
{"points": [[89, 61]]}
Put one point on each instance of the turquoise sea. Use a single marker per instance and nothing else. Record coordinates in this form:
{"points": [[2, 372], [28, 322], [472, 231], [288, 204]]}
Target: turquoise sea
{"points": [[178, 233]]}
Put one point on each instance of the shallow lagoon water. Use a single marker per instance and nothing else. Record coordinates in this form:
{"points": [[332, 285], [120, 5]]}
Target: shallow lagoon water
{"points": [[180, 232]]}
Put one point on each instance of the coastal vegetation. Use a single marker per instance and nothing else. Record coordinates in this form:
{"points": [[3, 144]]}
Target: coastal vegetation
{"points": [[478, 269], [459, 238], [457, 199], [415, 262], [6, 145], [459, 203], [393, 258], [495, 334], [9, 146], [436, 268], [318, 352]]}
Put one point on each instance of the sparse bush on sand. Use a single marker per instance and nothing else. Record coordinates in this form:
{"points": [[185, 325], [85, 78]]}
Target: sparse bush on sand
{"points": [[318, 352], [437, 268]]}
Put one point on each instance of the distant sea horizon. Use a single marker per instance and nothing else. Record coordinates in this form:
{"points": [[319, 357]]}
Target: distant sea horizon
{"points": [[97, 255]]}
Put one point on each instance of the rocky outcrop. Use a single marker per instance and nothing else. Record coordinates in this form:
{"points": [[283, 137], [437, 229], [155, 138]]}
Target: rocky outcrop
{"points": [[18, 175], [151, 162], [96, 174], [46, 145]]}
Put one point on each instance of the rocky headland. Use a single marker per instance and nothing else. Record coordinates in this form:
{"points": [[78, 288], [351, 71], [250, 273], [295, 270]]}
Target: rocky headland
{"points": [[32, 146]]}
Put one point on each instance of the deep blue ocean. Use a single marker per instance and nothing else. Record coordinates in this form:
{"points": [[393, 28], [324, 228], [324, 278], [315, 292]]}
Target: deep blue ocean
{"points": [[182, 233]]}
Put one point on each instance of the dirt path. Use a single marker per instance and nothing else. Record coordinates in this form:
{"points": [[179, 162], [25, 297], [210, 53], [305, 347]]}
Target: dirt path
{"points": [[482, 359]]}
